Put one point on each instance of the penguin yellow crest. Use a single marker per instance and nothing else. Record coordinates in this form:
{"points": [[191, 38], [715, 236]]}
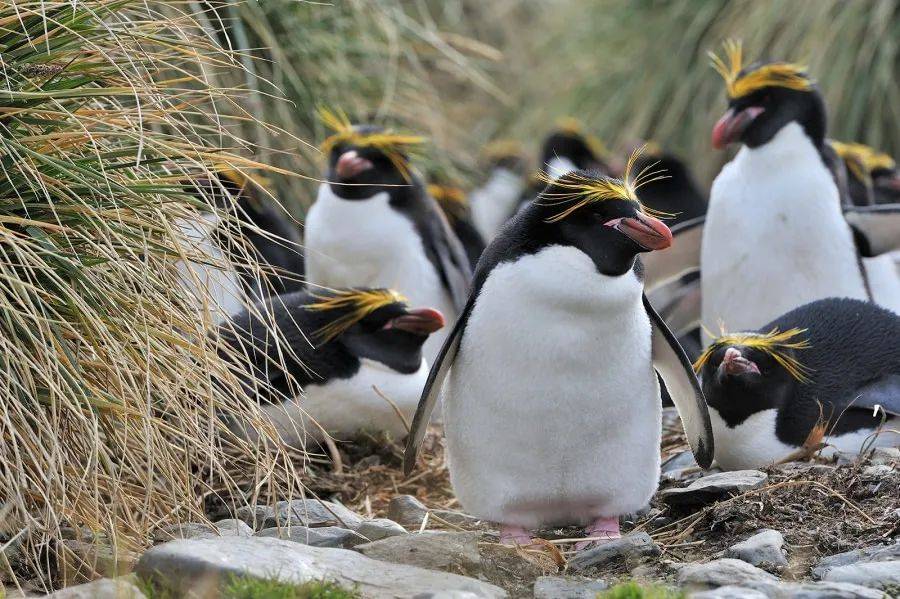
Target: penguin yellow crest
{"points": [[355, 304], [572, 126], [862, 159], [772, 343], [576, 190], [502, 148], [451, 199], [740, 82], [393, 145]]}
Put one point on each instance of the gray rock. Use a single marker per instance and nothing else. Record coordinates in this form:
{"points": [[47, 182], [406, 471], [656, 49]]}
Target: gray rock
{"points": [[628, 547], [325, 536], [713, 487], [232, 527], [790, 590], [186, 530], [877, 553], [885, 456], [83, 561], [449, 551], [567, 587], [105, 588], [254, 516], [729, 592], [720, 573], [180, 566], [877, 471], [879, 575], [375, 530], [409, 511], [679, 461], [312, 513], [765, 550]]}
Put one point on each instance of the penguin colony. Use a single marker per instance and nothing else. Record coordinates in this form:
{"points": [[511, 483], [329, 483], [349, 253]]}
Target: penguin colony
{"points": [[580, 297]]}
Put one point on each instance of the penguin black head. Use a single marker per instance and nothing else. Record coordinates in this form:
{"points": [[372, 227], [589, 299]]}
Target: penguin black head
{"points": [[365, 159], [886, 182], [763, 98], [374, 324], [599, 215], [745, 373], [570, 142], [506, 154], [872, 176]]}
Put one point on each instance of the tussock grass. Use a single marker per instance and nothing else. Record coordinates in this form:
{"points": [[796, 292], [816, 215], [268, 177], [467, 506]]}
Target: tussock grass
{"points": [[111, 385]]}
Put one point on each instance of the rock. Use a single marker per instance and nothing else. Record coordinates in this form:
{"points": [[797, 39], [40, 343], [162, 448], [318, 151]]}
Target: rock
{"points": [[729, 592], [879, 575], [790, 590], [232, 527], [186, 530], [713, 487], [83, 561], [765, 550], [325, 536], [628, 547], [312, 513], [679, 461], [180, 566], [720, 573], [375, 530], [567, 587], [254, 516], [409, 511], [448, 551], [885, 456], [877, 553], [105, 588], [877, 472]]}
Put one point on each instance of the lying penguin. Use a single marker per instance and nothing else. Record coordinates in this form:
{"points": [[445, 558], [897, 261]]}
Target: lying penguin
{"points": [[832, 364], [552, 406], [338, 347]]}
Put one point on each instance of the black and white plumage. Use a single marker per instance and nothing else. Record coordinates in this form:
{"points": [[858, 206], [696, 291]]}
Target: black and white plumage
{"points": [[455, 206], [373, 224], [496, 199], [675, 192], [552, 405], [316, 356], [828, 364]]}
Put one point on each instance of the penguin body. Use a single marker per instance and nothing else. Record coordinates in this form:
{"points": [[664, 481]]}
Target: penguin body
{"points": [[552, 405], [340, 346], [493, 202], [374, 225], [827, 363], [455, 206]]}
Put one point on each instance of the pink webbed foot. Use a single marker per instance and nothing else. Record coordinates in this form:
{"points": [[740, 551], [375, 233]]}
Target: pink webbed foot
{"points": [[603, 530], [514, 536]]}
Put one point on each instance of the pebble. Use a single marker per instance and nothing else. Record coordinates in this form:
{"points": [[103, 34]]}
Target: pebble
{"points": [[765, 550], [628, 547], [567, 587], [254, 515], [729, 592], [178, 565], [712, 487], [312, 513], [876, 553], [324, 536], [409, 511], [105, 588], [879, 575], [375, 530], [449, 551], [720, 573], [232, 527]]}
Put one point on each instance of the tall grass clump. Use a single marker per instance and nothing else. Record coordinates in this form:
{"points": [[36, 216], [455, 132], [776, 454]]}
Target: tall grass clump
{"points": [[111, 386]]}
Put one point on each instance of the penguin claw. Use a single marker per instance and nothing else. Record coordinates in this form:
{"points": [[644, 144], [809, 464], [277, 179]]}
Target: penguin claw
{"points": [[513, 536]]}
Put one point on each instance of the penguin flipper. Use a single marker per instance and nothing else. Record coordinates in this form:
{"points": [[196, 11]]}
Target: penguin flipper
{"points": [[883, 393], [452, 260], [683, 256], [877, 228], [676, 371], [432, 390]]}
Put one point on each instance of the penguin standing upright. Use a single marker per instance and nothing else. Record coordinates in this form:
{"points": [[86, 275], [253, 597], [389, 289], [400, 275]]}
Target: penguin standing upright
{"points": [[455, 206], [342, 348], [775, 236], [552, 405], [373, 224], [675, 192], [495, 200], [830, 369]]}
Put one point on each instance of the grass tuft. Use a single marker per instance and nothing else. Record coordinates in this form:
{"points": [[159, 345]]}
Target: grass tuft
{"points": [[240, 587], [634, 590]]}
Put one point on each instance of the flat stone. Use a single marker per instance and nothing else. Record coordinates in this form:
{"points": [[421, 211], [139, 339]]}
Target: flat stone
{"points": [[254, 516], [879, 575], [885, 456], [232, 527], [816, 590], [105, 588], [720, 573], [179, 566], [185, 530], [713, 487], [567, 587], [765, 550], [312, 513], [628, 547], [448, 551], [325, 536], [409, 511], [375, 530], [729, 592], [876, 553]]}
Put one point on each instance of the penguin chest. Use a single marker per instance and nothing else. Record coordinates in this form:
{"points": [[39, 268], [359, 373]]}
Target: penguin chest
{"points": [[342, 407], [775, 236], [494, 203], [749, 444], [552, 411]]}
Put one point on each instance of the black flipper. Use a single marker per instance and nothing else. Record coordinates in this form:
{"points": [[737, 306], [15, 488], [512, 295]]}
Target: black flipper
{"points": [[883, 393], [876, 228], [432, 390], [676, 371], [682, 257]]}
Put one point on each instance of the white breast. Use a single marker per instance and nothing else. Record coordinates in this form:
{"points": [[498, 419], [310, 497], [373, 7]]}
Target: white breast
{"points": [[750, 444], [552, 409], [494, 202], [884, 281], [775, 236], [559, 166], [366, 243]]}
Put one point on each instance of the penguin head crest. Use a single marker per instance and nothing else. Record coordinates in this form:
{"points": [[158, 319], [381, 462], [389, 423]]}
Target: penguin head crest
{"points": [[350, 306], [452, 200], [862, 160], [775, 344], [741, 81]]}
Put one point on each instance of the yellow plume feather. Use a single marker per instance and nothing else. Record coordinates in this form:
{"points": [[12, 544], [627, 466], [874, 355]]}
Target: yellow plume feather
{"points": [[740, 82], [452, 200], [862, 159], [358, 304], [772, 343], [502, 148]]}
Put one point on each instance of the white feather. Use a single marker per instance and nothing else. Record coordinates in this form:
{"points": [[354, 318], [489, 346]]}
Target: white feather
{"points": [[559, 166], [552, 408], [775, 237], [494, 202], [884, 281], [367, 243]]}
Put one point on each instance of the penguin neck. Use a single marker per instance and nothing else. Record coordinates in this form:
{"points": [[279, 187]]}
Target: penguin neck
{"points": [[791, 145]]}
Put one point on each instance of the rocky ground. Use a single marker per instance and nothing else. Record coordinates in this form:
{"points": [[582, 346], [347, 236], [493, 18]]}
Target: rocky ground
{"points": [[813, 530]]}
